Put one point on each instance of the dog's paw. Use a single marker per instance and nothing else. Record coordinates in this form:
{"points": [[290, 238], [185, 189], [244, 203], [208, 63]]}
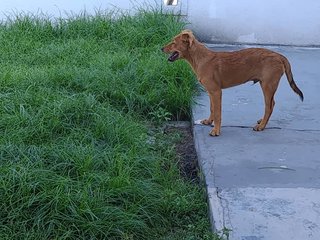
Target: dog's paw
{"points": [[206, 122], [258, 128], [214, 132]]}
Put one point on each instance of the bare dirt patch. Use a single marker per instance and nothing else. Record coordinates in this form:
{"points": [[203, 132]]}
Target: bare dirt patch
{"points": [[188, 161]]}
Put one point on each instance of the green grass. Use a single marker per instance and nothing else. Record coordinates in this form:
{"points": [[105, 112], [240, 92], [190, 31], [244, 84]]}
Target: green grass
{"points": [[77, 160]]}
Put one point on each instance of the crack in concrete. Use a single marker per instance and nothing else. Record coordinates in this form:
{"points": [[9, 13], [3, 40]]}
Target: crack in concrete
{"points": [[227, 225]]}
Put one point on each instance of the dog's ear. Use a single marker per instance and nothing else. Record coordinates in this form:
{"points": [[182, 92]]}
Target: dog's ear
{"points": [[187, 36]]}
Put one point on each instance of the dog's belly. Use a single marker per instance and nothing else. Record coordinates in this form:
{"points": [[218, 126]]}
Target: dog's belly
{"points": [[232, 82]]}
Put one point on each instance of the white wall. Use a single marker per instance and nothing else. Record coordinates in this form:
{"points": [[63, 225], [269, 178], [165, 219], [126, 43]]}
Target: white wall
{"points": [[60, 8], [257, 21], [243, 21]]}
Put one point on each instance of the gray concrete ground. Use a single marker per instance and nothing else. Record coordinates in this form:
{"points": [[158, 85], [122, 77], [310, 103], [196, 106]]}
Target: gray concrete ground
{"points": [[265, 185]]}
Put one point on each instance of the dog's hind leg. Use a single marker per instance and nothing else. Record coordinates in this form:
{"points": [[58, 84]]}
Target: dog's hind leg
{"points": [[273, 103], [268, 88], [260, 120]]}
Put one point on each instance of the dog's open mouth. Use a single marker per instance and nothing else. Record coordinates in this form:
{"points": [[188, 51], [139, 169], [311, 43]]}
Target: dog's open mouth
{"points": [[174, 56]]}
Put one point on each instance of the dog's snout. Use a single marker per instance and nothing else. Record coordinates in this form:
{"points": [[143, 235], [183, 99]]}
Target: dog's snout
{"points": [[162, 49]]}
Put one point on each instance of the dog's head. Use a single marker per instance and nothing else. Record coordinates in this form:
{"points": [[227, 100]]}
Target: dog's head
{"points": [[180, 45]]}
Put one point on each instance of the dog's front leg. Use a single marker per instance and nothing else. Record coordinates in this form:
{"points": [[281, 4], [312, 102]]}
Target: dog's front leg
{"points": [[209, 121], [216, 100]]}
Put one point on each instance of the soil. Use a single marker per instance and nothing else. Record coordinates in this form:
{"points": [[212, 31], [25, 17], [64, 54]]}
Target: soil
{"points": [[188, 161]]}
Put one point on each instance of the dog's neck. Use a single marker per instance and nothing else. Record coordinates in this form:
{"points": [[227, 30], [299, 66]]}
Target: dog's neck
{"points": [[196, 54]]}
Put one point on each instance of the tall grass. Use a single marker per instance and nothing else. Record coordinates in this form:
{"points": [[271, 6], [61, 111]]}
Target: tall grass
{"points": [[76, 159]]}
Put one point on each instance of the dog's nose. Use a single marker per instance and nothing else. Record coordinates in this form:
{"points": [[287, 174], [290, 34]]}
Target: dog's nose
{"points": [[162, 49]]}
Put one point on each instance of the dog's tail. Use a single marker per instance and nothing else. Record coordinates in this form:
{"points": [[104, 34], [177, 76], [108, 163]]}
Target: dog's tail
{"points": [[289, 75]]}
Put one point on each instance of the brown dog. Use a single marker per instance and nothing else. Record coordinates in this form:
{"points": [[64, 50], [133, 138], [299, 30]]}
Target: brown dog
{"points": [[219, 70]]}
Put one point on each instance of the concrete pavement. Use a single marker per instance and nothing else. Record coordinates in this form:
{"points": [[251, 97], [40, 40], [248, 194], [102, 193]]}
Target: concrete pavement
{"points": [[265, 185]]}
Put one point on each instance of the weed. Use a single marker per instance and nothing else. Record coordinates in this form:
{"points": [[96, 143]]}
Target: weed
{"points": [[160, 115]]}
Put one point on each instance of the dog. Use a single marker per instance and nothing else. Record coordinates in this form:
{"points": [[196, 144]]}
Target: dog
{"points": [[220, 70]]}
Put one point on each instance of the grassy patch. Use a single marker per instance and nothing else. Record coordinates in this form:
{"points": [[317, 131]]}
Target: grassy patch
{"points": [[76, 158]]}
